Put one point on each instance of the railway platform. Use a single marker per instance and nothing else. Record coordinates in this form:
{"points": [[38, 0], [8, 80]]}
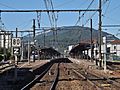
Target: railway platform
{"points": [[32, 65]]}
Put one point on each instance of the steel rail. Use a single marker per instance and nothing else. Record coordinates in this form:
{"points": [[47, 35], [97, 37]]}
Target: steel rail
{"points": [[55, 80], [4, 68], [26, 87], [95, 79], [88, 80]]}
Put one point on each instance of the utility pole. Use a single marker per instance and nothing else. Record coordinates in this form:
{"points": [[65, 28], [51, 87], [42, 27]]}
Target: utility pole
{"points": [[4, 41], [100, 35], [33, 29], [22, 47], [16, 32], [105, 52], [34, 40], [28, 51], [8, 39], [16, 58], [11, 43], [22, 50], [91, 40], [44, 37], [16, 61]]}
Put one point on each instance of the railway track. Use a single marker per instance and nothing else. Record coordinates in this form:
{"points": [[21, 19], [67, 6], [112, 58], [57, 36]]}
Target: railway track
{"points": [[47, 80], [71, 79], [38, 77], [100, 83], [5, 67], [70, 76]]}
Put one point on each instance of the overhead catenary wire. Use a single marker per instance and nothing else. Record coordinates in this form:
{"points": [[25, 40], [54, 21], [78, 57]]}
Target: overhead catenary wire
{"points": [[64, 3], [84, 12], [1, 4], [115, 8], [2, 25], [49, 4], [79, 18], [46, 5], [24, 24], [106, 7], [38, 18], [53, 19], [105, 1], [90, 18]]}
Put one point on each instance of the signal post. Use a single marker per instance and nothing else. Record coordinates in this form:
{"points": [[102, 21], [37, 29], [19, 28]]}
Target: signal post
{"points": [[16, 47]]}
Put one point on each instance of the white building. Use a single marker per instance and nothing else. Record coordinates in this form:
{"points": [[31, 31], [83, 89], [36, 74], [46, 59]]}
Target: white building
{"points": [[66, 52], [113, 50], [115, 47], [5, 39]]}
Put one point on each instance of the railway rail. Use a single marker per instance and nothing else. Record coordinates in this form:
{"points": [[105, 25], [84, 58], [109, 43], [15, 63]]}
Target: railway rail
{"points": [[97, 81], [67, 76], [62, 74], [33, 82], [49, 80], [5, 66]]}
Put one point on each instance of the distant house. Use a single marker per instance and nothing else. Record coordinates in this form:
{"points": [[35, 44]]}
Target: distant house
{"points": [[113, 50], [115, 47]]}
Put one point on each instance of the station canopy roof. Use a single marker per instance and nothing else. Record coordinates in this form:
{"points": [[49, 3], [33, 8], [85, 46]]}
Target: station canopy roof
{"points": [[80, 47], [50, 50]]}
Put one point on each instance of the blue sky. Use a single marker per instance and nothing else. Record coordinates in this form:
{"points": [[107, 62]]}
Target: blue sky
{"points": [[111, 13]]}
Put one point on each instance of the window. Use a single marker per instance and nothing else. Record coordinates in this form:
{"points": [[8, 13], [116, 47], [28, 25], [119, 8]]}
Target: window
{"points": [[114, 47], [108, 50]]}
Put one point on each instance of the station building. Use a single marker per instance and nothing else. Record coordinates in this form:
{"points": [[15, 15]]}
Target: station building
{"points": [[83, 50]]}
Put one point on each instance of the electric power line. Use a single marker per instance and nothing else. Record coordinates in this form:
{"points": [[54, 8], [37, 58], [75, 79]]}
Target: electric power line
{"points": [[7, 6], [84, 12], [38, 18], [96, 12], [107, 7]]}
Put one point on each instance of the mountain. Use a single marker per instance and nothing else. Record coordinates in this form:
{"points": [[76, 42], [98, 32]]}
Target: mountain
{"points": [[69, 35]]}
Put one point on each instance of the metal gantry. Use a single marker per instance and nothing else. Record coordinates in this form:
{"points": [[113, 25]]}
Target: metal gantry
{"points": [[80, 10]]}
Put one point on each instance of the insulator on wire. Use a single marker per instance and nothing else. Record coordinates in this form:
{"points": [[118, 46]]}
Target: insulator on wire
{"points": [[38, 19]]}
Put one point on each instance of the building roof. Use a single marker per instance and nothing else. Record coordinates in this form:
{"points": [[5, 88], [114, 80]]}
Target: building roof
{"points": [[80, 47], [115, 42], [50, 50]]}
